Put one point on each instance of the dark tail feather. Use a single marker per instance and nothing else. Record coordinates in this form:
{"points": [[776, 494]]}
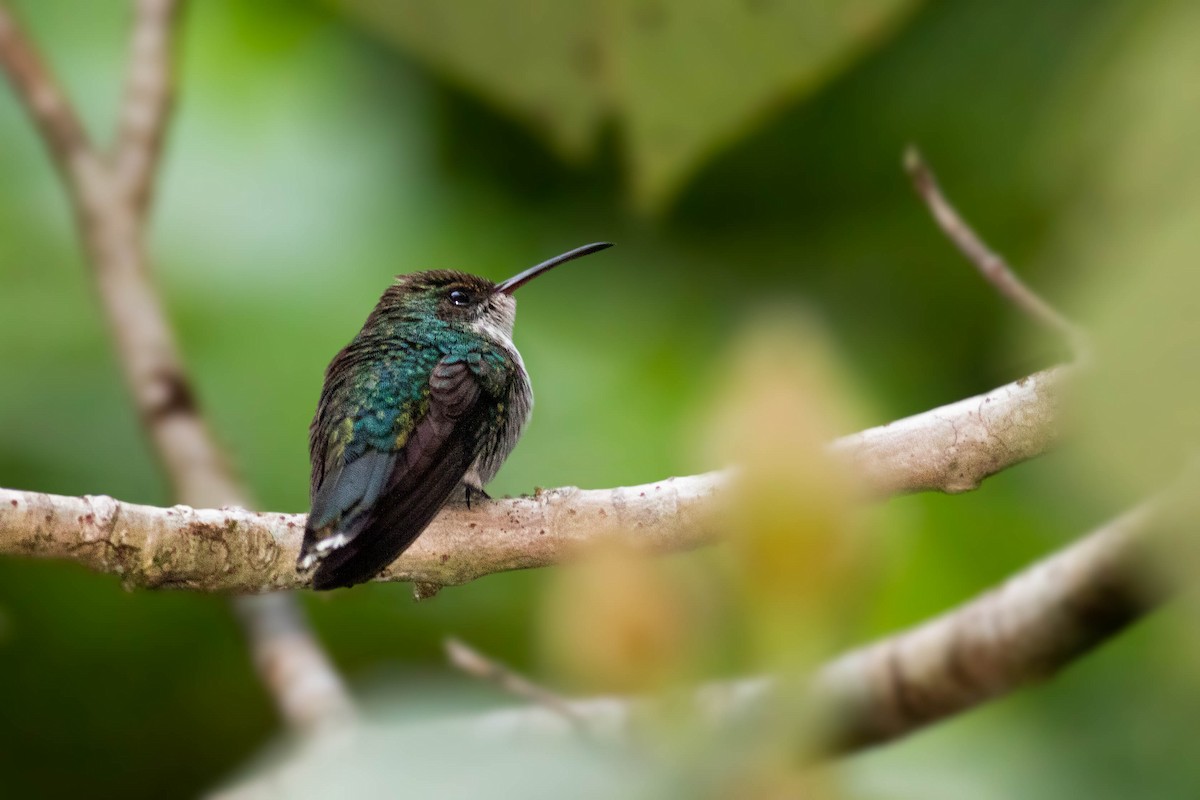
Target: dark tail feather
{"points": [[379, 543], [436, 456]]}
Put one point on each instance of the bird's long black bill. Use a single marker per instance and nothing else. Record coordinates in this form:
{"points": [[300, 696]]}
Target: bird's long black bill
{"points": [[517, 281]]}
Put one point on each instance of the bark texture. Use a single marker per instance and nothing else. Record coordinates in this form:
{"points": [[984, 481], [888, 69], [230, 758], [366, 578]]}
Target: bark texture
{"points": [[951, 448]]}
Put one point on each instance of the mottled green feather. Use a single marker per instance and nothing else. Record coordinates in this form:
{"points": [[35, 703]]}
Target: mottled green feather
{"points": [[381, 398]]}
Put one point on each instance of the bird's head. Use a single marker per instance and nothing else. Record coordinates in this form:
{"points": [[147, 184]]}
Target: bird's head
{"points": [[464, 300]]}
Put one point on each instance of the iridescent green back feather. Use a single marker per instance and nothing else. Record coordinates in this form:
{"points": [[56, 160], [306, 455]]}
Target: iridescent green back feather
{"points": [[388, 445]]}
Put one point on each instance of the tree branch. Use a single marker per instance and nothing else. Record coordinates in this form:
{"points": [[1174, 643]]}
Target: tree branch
{"points": [[36, 87], [477, 665], [110, 203], [951, 448], [955, 447], [994, 269], [1036, 623], [1026, 630], [149, 96]]}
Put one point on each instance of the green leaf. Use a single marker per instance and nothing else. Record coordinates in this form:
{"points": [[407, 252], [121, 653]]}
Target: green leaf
{"points": [[682, 78], [540, 64]]}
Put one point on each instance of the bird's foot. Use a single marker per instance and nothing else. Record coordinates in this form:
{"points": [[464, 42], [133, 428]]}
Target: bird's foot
{"points": [[475, 491]]}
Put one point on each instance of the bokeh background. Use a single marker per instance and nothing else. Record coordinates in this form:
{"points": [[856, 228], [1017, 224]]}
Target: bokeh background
{"points": [[745, 157]]}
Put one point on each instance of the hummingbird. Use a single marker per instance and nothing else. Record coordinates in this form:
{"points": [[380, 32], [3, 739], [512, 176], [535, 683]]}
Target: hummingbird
{"points": [[427, 401]]}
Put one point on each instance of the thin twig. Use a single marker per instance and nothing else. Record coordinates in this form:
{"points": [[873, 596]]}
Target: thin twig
{"points": [[994, 269], [476, 664], [34, 84], [149, 95]]}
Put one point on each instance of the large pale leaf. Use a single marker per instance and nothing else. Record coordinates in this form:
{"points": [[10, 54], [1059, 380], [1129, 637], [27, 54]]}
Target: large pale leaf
{"points": [[681, 77], [691, 76], [1133, 232]]}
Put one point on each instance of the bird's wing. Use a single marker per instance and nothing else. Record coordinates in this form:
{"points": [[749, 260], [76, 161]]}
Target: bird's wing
{"points": [[365, 512]]}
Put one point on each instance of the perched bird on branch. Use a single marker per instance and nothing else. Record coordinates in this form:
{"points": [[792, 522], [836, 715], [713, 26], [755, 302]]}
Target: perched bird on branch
{"points": [[430, 396]]}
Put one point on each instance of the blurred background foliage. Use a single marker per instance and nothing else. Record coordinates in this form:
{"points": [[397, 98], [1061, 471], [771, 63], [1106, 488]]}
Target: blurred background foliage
{"points": [[742, 155]]}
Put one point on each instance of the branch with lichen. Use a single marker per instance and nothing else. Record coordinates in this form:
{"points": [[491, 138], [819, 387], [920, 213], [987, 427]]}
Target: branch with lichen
{"points": [[951, 449]]}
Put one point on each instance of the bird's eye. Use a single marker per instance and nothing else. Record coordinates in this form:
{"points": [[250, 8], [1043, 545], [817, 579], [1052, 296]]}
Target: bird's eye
{"points": [[460, 298]]}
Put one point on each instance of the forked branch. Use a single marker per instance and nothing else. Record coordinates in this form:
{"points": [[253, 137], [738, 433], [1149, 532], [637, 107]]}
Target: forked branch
{"points": [[110, 196]]}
